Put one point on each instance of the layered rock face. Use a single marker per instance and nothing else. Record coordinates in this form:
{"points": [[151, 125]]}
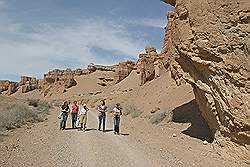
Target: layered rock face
{"points": [[123, 69], [207, 44]]}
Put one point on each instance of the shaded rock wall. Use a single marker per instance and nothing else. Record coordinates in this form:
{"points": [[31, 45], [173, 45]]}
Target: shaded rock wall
{"points": [[207, 44]]}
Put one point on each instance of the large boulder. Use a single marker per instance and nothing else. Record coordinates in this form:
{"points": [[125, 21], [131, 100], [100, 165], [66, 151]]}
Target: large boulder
{"points": [[208, 45]]}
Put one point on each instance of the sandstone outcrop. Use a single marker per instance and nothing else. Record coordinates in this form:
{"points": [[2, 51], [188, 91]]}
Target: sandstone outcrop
{"points": [[60, 77], [28, 84], [4, 85], [13, 87], [207, 44], [149, 65], [123, 69], [93, 67]]}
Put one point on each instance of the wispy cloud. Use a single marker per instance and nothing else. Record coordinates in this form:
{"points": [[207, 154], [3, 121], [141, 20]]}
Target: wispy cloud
{"points": [[44, 45], [2, 4], [33, 49], [148, 22]]}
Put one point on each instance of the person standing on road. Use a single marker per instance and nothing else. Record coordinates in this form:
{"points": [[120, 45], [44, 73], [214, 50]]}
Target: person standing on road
{"points": [[64, 115], [83, 116], [102, 115], [74, 113], [117, 112]]}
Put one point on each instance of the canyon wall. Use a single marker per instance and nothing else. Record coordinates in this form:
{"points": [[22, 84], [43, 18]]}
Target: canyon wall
{"points": [[207, 45]]}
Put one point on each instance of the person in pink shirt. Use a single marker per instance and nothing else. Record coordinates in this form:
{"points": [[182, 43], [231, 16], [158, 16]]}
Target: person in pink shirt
{"points": [[74, 113]]}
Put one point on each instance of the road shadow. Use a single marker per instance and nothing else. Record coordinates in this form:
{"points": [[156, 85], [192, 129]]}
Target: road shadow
{"points": [[90, 129], [109, 130], [70, 129], [190, 113], [124, 134]]}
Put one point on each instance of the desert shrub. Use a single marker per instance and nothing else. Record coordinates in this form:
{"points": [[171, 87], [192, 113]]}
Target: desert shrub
{"points": [[16, 113], [160, 116], [33, 102], [133, 110], [56, 103], [41, 105]]}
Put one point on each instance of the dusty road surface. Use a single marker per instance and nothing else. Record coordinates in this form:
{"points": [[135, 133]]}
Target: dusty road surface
{"points": [[45, 145]]}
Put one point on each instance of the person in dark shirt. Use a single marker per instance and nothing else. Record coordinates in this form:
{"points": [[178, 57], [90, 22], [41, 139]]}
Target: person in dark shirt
{"points": [[64, 116]]}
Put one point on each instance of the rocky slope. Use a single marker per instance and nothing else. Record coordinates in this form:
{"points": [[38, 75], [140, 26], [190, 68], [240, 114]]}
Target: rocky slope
{"points": [[148, 66], [207, 44]]}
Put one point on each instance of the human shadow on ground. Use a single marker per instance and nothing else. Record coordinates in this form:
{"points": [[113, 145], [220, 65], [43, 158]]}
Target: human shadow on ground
{"points": [[109, 130], [124, 134], [90, 129], [70, 129], [190, 113]]}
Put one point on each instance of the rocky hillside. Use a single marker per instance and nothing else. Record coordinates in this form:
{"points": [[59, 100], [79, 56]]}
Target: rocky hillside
{"points": [[148, 66], [207, 45]]}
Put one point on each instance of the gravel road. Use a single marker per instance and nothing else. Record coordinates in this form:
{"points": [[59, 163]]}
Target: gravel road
{"points": [[45, 145]]}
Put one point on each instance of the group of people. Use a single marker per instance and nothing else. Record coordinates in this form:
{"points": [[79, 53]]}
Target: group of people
{"points": [[79, 116]]}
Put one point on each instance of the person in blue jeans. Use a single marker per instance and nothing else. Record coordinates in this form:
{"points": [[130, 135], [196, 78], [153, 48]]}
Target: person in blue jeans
{"points": [[102, 115], [64, 115], [74, 113], [117, 112]]}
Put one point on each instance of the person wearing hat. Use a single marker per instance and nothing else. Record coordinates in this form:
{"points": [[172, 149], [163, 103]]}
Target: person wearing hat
{"points": [[83, 117], [117, 112]]}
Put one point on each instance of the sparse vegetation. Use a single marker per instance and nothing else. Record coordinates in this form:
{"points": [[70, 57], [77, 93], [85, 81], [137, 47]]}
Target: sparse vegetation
{"points": [[15, 113], [33, 102], [133, 110], [160, 116]]}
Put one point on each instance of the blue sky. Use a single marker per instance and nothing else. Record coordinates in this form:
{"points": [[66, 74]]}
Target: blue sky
{"points": [[40, 35]]}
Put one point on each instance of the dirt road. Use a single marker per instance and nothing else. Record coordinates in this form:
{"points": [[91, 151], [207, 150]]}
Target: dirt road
{"points": [[45, 145]]}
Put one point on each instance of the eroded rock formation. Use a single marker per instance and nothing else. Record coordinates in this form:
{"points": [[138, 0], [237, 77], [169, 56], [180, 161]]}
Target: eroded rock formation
{"points": [[123, 69], [28, 84], [93, 67], [149, 65], [13, 87], [4, 85], [207, 44]]}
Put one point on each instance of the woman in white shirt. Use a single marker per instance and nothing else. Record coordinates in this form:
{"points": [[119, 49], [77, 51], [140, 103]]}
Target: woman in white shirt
{"points": [[83, 116], [117, 112]]}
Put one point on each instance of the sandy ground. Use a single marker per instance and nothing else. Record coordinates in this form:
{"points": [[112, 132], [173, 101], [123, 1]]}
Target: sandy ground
{"points": [[140, 144], [45, 145]]}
